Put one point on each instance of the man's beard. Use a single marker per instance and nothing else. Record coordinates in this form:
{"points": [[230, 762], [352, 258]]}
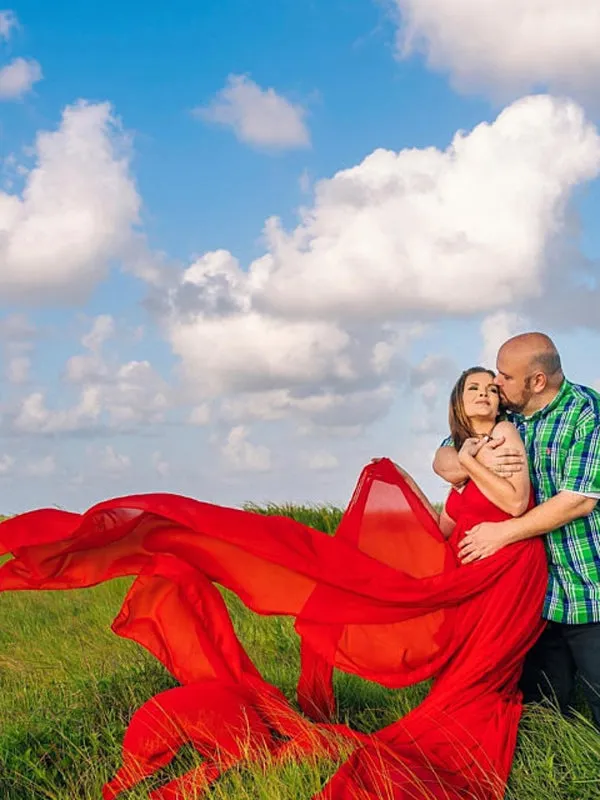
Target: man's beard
{"points": [[516, 406]]}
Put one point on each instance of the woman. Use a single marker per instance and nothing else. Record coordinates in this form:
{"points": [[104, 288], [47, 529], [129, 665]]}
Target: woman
{"points": [[474, 418], [385, 599]]}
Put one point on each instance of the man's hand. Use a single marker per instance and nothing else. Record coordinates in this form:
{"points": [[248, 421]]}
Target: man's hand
{"points": [[503, 461], [482, 541]]}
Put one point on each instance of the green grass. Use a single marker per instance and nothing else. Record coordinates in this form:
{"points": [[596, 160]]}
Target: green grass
{"points": [[68, 687]]}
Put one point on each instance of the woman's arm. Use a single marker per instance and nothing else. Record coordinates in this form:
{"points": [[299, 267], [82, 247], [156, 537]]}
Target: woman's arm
{"points": [[417, 490], [446, 523], [511, 494]]}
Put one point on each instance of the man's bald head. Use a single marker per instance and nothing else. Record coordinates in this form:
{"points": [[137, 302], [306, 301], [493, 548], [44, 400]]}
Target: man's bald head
{"points": [[537, 352], [529, 371]]}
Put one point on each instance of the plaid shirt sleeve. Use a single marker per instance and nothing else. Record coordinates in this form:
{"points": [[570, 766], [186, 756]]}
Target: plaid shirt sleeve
{"points": [[582, 467]]}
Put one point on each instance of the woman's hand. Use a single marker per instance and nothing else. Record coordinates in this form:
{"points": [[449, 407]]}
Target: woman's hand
{"points": [[471, 447]]}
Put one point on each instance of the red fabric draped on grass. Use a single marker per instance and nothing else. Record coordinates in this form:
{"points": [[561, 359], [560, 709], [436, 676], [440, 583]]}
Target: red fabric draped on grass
{"points": [[384, 599]]}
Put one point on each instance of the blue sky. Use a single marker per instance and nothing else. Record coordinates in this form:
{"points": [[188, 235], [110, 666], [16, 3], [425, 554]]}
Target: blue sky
{"points": [[233, 365]]}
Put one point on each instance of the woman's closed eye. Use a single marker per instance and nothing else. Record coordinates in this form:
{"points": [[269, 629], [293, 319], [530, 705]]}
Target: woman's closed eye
{"points": [[476, 388]]}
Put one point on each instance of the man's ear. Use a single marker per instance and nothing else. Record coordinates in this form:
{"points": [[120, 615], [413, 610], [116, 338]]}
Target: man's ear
{"points": [[539, 382]]}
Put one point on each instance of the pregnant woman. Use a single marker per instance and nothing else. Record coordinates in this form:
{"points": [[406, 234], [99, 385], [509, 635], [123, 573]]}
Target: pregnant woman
{"points": [[385, 599]]}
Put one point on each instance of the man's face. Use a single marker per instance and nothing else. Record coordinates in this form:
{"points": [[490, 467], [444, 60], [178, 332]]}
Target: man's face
{"points": [[513, 379]]}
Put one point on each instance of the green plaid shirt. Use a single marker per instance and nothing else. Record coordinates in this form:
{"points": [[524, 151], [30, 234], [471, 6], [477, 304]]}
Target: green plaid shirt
{"points": [[562, 442]]}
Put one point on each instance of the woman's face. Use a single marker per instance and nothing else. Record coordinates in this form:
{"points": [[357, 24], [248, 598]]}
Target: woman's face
{"points": [[480, 397]]}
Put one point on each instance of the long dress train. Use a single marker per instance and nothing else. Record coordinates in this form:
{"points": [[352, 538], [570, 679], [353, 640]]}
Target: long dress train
{"points": [[385, 599]]}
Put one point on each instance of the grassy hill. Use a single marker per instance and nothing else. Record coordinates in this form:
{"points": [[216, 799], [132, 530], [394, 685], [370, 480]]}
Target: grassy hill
{"points": [[68, 687]]}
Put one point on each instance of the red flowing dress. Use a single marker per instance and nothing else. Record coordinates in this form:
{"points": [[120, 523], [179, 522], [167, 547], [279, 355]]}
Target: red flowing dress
{"points": [[385, 599]]}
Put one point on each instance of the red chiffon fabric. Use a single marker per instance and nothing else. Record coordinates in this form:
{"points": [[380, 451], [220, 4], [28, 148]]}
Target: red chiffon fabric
{"points": [[384, 599]]}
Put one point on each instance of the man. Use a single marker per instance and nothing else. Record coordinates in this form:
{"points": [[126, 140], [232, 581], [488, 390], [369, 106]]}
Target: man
{"points": [[559, 423]]}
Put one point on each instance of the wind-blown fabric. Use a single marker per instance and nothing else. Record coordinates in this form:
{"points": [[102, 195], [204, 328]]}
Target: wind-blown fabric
{"points": [[384, 599]]}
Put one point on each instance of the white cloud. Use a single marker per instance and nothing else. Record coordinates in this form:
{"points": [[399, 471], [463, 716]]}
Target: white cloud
{"points": [[319, 409], [431, 380], [17, 371], [90, 366], [305, 182], [160, 465], [34, 416], [75, 213], [311, 329], [41, 468], [322, 461], [227, 347], [495, 330], [137, 394], [113, 463], [6, 464], [127, 394], [103, 329], [454, 232], [18, 78], [8, 23], [259, 117], [509, 46], [251, 349], [243, 456], [17, 338], [16, 328], [200, 415]]}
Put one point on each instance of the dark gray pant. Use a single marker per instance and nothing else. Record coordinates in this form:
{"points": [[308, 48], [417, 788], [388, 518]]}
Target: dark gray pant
{"points": [[562, 653]]}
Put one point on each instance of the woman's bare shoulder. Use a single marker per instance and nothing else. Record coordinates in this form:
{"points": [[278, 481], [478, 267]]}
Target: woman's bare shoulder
{"points": [[506, 429]]}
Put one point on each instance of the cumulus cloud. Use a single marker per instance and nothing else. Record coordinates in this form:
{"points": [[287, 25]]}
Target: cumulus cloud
{"points": [[241, 455], [322, 461], [8, 23], [431, 381], [17, 337], [40, 468], [257, 116], [76, 211], [510, 46], [136, 394], [161, 465], [454, 232], [6, 464], [112, 395], [90, 366], [18, 78], [129, 393], [495, 330], [34, 415], [317, 409], [200, 415], [112, 462], [319, 327], [228, 347], [17, 370]]}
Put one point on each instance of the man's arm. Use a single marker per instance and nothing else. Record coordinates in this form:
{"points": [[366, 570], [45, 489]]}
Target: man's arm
{"points": [[487, 538], [503, 461], [448, 467], [559, 510]]}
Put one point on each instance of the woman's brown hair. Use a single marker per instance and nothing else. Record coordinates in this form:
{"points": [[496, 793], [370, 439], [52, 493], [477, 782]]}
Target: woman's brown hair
{"points": [[460, 424]]}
